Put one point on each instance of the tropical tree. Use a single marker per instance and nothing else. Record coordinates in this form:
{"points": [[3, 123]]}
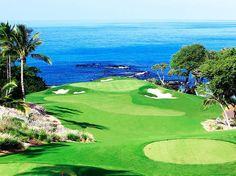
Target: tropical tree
{"points": [[160, 68], [221, 73], [25, 45], [6, 44], [188, 60]]}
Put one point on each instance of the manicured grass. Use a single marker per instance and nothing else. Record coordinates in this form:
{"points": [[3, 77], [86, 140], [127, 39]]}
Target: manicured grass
{"points": [[191, 151], [123, 122], [112, 86]]}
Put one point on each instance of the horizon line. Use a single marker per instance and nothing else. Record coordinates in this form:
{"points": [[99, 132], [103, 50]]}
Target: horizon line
{"points": [[51, 23]]}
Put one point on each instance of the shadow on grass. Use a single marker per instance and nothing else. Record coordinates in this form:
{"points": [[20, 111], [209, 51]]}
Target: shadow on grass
{"points": [[59, 111], [69, 170], [39, 150], [85, 125]]}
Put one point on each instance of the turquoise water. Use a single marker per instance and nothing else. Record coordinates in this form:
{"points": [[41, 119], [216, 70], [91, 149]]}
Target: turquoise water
{"points": [[138, 45]]}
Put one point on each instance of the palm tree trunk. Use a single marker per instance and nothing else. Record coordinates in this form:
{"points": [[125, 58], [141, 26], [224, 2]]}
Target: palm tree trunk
{"points": [[22, 79], [7, 74], [9, 69]]}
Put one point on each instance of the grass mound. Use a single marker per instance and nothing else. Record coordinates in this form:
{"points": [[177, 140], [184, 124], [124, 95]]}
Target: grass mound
{"points": [[191, 151]]}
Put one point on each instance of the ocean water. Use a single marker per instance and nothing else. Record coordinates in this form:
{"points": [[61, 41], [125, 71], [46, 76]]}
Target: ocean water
{"points": [[84, 52]]}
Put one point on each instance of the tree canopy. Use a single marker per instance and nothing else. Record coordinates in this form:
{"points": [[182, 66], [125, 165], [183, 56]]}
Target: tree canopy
{"points": [[189, 58], [221, 74], [187, 61]]}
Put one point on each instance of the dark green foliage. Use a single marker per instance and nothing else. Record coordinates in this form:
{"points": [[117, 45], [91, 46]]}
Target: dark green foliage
{"points": [[222, 76], [42, 135], [7, 100], [189, 58], [73, 137], [32, 81], [10, 144], [225, 53], [187, 61]]}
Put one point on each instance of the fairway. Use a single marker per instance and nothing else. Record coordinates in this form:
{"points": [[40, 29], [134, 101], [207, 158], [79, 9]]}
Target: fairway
{"points": [[115, 103], [135, 135], [191, 151], [113, 85]]}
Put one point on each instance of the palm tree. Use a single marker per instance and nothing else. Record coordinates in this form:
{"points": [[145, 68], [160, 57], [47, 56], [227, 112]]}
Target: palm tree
{"points": [[160, 71], [25, 44], [6, 42]]}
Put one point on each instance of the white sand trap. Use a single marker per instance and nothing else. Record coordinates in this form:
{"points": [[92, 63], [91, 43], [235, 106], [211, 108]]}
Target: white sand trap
{"points": [[140, 73], [81, 92], [159, 94], [61, 91], [106, 80]]}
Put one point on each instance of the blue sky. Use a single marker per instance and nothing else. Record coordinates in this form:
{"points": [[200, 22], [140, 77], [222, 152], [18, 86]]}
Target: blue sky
{"points": [[116, 10]]}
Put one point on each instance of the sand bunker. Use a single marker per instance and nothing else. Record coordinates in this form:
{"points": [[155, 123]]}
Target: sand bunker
{"points": [[159, 95], [106, 80], [61, 91], [81, 92]]}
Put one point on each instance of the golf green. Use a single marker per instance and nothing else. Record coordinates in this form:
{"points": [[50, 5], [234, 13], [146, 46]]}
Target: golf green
{"points": [[191, 151], [123, 121]]}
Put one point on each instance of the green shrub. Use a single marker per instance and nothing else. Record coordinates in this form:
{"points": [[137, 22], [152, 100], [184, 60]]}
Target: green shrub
{"points": [[15, 127], [9, 143], [55, 138], [18, 123], [73, 137], [40, 135], [32, 134], [87, 137], [43, 136], [11, 122], [19, 133]]}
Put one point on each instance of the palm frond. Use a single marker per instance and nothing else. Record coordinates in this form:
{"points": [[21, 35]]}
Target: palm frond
{"points": [[42, 57], [36, 36], [8, 87], [209, 101]]}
